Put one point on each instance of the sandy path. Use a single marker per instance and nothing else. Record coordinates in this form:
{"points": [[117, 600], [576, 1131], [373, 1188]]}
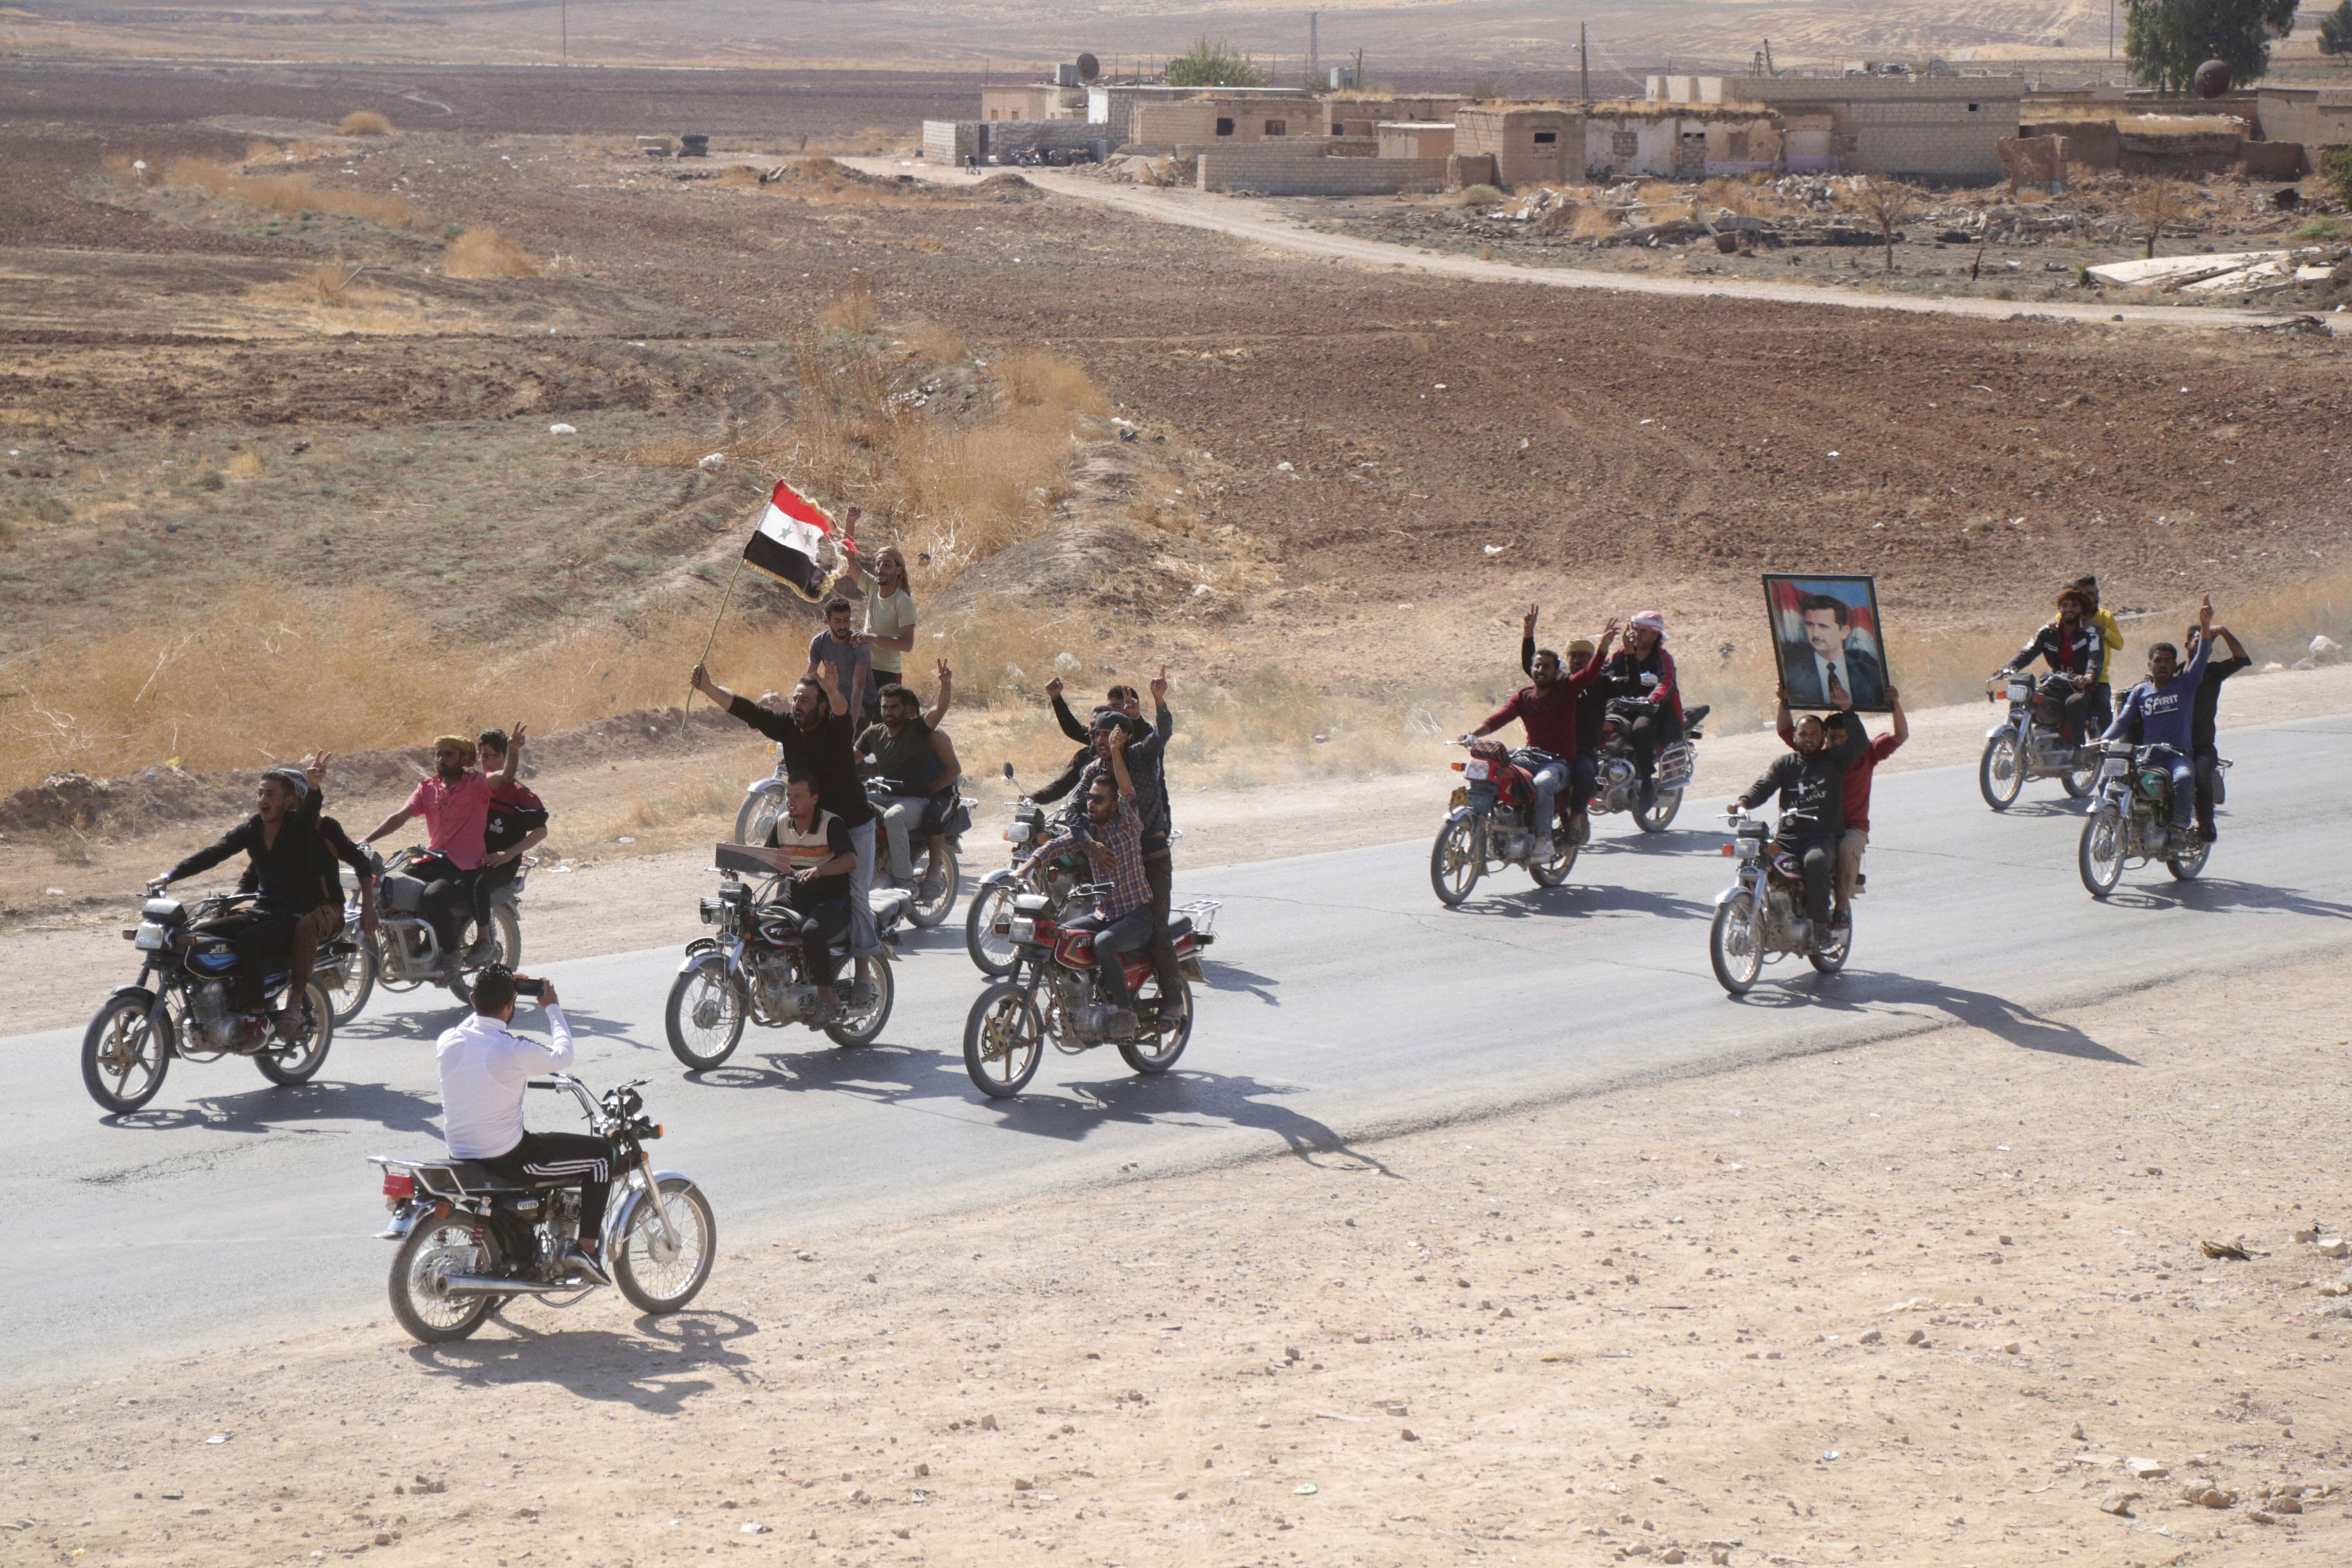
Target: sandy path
{"points": [[1223, 215], [1921, 1302]]}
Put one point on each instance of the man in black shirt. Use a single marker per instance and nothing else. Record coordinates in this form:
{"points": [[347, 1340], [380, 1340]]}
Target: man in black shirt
{"points": [[331, 846], [917, 763], [1810, 782], [814, 737], [2201, 715]]}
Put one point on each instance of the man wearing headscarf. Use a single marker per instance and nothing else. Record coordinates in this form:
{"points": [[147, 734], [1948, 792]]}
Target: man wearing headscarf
{"points": [[1644, 670], [455, 802]]}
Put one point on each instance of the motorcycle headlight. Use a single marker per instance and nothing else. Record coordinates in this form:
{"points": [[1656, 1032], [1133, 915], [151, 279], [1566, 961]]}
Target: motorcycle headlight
{"points": [[1025, 930], [714, 912]]}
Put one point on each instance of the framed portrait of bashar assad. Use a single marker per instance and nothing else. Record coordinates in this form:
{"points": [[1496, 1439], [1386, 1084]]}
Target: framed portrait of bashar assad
{"points": [[1826, 641]]}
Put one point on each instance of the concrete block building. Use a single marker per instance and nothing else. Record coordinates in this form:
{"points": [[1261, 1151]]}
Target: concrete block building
{"points": [[1033, 100], [1927, 127], [1556, 145], [1529, 145], [1112, 105], [1221, 119], [1413, 139], [1362, 116], [2317, 117]]}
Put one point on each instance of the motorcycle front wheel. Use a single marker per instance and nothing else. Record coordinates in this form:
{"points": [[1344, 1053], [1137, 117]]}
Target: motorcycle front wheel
{"points": [[507, 931], [863, 1025], [1155, 1048], [2100, 856], [430, 1253], [298, 1062], [1733, 946], [1003, 1040], [1456, 860], [936, 878], [2082, 772], [2000, 772], [655, 1274], [124, 1054], [705, 1015], [356, 980], [993, 954], [1661, 813], [1553, 872], [1831, 958]]}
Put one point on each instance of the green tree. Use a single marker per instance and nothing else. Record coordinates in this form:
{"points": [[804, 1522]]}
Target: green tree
{"points": [[1213, 65], [2335, 30], [2166, 40]]}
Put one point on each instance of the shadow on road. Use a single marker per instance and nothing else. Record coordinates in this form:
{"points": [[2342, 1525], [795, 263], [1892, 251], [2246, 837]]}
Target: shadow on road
{"points": [[270, 1108], [2220, 893], [1231, 1100], [657, 1370], [1585, 899], [1233, 977], [1853, 990]]}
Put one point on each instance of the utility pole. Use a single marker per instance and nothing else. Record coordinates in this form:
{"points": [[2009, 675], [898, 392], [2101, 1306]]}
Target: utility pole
{"points": [[1584, 63], [1314, 46], [2111, 32], [563, 22]]}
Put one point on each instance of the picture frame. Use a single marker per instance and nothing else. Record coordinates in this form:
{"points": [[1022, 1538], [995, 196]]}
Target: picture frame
{"points": [[1827, 637]]}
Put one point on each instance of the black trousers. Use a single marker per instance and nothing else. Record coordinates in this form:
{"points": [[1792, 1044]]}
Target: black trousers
{"points": [[448, 898], [1819, 858], [1654, 729], [487, 883], [822, 924], [264, 940], [570, 1154], [1160, 870]]}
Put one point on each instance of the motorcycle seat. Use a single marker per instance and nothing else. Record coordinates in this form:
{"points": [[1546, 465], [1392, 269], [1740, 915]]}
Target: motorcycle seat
{"points": [[887, 903], [1179, 927], [471, 1176]]}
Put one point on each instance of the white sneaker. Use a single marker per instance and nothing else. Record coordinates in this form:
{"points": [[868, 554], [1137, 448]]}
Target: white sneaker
{"points": [[1542, 853]]}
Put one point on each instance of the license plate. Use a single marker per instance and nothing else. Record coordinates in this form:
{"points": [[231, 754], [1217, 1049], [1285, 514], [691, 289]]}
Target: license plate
{"points": [[1473, 769]]}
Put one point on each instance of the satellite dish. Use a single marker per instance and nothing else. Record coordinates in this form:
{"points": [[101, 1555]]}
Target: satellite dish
{"points": [[1089, 67]]}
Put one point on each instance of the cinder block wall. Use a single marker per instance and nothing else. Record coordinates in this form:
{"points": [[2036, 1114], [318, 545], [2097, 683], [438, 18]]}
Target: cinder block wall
{"points": [[1168, 125], [1276, 173], [951, 141]]}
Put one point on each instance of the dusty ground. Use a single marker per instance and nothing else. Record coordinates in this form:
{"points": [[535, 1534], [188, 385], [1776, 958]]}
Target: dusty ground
{"points": [[1719, 1320]]}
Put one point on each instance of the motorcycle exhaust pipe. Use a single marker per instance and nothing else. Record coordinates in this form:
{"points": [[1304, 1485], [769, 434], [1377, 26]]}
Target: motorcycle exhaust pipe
{"points": [[477, 1285]]}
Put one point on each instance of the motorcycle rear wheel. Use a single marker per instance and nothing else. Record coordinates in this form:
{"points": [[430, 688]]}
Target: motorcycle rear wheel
{"points": [[705, 1015], [430, 1253], [508, 932], [2185, 867], [1553, 872], [864, 1026], [1733, 946], [1829, 959], [2000, 772], [936, 878], [2100, 855], [358, 982], [123, 1056], [757, 817], [1154, 1051], [301, 1061], [1456, 860], [2081, 773], [1661, 811], [1003, 1040], [996, 956], [651, 1282]]}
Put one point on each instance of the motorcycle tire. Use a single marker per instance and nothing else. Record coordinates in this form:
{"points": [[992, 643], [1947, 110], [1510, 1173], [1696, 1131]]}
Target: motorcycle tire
{"points": [[654, 1277], [1154, 1051], [430, 1253], [864, 1027], [935, 890], [1553, 872], [2185, 867], [2081, 775], [358, 982], [1830, 959], [1661, 813], [2000, 772], [1003, 1040], [757, 817], [1458, 858], [508, 931], [2100, 856], [704, 1032], [300, 1062], [993, 955], [1733, 944], [125, 1053]]}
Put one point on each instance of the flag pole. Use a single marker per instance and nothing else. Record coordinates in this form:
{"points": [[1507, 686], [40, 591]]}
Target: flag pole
{"points": [[710, 642]]}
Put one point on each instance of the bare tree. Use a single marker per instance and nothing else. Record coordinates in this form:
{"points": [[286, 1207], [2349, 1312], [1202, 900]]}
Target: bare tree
{"points": [[1887, 203], [2153, 204]]}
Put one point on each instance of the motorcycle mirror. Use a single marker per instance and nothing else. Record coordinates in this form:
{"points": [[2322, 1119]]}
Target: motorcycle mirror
{"points": [[1008, 769]]}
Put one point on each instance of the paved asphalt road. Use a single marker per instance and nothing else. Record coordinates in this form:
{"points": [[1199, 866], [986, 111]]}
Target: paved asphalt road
{"points": [[1344, 1002]]}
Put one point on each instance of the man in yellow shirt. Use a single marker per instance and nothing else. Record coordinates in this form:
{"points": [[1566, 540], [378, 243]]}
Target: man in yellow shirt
{"points": [[889, 633]]}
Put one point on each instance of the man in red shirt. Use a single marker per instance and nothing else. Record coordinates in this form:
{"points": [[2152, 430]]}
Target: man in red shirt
{"points": [[456, 805], [1856, 836], [1547, 711]]}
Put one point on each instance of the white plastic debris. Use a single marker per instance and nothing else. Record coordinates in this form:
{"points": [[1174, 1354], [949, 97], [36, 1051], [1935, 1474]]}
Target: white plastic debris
{"points": [[561, 430], [713, 463]]}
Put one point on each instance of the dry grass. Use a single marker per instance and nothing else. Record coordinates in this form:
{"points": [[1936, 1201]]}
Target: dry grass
{"points": [[1594, 220], [1049, 382], [364, 123], [487, 253], [244, 465], [853, 311], [290, 194], [933, 341]]}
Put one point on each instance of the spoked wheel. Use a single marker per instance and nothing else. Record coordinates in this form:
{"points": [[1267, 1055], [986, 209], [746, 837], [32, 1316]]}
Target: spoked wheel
{"points": [[2100, 857], [384, 969], [705, 1016], [1158, 1042], [2188, 862], [1660, 812], [352, 979], [1003, 1040], [434, 1251], [935, 886], [1457, 859], [507, 931], [2082, 772], [995, 954], [1554, 871], [862, 1026], [296, 1063], [1828, 958], [757, 817], [125, 1053], [1735, 943], [2000, 772], [657, 1273]]}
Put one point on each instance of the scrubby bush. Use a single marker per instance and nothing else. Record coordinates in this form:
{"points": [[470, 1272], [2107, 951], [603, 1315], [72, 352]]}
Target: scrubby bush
{"points": [[365, 123], [1217, 64], [487, 253], [1480, 196]]}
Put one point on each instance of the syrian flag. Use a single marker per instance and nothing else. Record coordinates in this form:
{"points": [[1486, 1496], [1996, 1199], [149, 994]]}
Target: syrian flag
{"points": [[795, 544]]}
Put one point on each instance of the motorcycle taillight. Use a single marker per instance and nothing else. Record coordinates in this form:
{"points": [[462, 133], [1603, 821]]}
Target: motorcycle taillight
{"points": [[399, 1186]]}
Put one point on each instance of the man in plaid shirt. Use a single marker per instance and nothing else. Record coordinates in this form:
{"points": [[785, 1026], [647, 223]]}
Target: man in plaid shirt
{"points": [[1112, 834]]}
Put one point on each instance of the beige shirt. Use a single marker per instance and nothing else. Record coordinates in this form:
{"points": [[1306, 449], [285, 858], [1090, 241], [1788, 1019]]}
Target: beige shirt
{"points": [[889, 617]]}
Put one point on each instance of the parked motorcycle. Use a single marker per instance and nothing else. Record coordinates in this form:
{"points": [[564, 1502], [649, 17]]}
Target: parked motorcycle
{"points": [[987, 922], [1756, 918], [405, 953], [1617, 784], [471, 1240], [181, 1007], [1063, 999], [2132, 819], [1487, 823], [2035, 741], [757, 968], [932, 893]]}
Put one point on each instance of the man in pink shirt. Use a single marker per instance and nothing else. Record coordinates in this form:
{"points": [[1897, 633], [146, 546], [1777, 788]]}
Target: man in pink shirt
{"points": [[1856, 837], [456, 805]]}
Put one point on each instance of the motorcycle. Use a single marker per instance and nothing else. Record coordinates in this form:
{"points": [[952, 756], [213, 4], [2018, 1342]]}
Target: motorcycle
{"points": [[1756, 918], [1487, 822], [2133, 819], [404, 952], [757, 968], [472, 1240], [1063, 998], [2035, 741], [181, 1009], [933, 893], [1617, 784], [987, 922]]}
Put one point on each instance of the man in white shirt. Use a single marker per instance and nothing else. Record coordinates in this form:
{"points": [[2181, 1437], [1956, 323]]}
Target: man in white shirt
{"points": [[485, 1069]]}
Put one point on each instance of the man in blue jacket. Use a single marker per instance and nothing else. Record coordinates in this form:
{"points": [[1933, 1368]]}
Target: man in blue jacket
{"points": [[2165, 706]]}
